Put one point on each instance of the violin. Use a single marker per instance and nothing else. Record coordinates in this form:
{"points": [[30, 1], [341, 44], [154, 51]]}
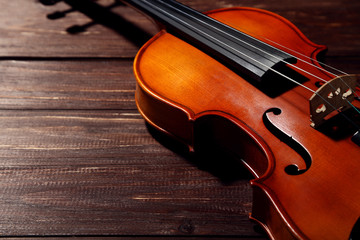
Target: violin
{"points": [[251, 81]]}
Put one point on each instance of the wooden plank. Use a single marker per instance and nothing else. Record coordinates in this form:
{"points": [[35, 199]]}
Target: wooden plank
{"points": [[100, 84], [28, 31], [101, 173]]}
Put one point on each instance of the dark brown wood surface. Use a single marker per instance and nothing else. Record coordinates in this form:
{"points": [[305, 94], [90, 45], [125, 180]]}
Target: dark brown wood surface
{"points": [[77, 159]]}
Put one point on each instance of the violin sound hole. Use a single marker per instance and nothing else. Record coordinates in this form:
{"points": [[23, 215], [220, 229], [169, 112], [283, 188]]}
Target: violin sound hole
{"points": [[291, 142], [355, 234]]}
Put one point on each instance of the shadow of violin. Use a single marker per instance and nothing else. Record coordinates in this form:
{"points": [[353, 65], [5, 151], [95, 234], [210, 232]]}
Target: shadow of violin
{"points": [[210, 158], [102, 15], [207, 157]]}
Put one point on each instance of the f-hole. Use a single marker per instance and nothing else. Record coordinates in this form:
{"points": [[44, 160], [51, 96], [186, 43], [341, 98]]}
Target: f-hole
{"points": [[355, 233], [296, 146]]}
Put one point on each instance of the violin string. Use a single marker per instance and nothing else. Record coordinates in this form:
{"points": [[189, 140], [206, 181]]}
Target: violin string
{"points": [[311, 64], [237, 39], [303, 55], [261, 50], [296, 67], [232, 48], [269, 68]]}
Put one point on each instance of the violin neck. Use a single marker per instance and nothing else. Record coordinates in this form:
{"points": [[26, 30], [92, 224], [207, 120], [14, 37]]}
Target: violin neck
{"points": [[233, 48]]}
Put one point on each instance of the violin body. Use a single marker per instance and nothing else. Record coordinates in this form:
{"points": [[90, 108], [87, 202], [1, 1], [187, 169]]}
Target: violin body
{"points": [[180, 89]]}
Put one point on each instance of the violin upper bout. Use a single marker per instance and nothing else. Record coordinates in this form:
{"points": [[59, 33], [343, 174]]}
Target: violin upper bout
{"points": [[270, 28]]}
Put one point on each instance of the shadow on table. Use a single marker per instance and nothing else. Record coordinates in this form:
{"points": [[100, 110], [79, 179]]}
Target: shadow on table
{"points": [[207, 156], [100, 15]]}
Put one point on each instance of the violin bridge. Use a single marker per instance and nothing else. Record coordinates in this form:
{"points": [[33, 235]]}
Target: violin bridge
{"points": [[334, 96]]}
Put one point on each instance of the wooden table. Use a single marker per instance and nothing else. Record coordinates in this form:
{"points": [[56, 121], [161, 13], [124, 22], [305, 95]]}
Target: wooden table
{"points": [[76, 157]]}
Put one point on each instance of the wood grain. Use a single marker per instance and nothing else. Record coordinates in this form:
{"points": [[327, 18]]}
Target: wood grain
{"points": [[119, 31], [76, 158], [72, 84], [96, 172]]}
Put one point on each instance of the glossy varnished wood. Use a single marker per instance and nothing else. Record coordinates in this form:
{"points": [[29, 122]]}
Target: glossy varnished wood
{"points": [[178, 85], [77, 158]]}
